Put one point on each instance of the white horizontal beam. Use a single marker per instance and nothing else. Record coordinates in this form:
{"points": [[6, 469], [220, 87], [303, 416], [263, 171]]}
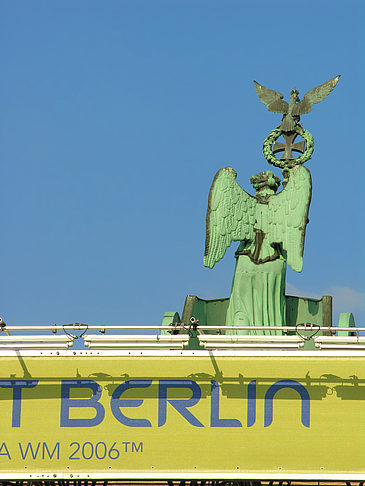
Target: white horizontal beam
{"points": [[36, 342], [340, 339], [211, 338], [35, 345], [109, 345], [36, 338], [246, 345], [182, 474], [334, 346], [175, 341], [136, 337], [185, 353]]}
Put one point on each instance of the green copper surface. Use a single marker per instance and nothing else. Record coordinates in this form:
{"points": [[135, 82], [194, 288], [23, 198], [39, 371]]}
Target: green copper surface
{"points": [[258, 295], [271, 231], [270, 227]]}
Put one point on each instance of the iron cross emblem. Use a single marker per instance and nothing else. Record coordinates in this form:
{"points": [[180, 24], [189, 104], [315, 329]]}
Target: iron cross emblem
{"points": [[289, 146]]}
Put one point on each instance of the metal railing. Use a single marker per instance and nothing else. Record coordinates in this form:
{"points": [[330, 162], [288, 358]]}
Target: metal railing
{"points": [[180, 335]]}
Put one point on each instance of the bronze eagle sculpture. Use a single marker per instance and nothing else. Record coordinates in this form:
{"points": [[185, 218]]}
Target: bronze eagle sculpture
{"points": [[296, 107]]}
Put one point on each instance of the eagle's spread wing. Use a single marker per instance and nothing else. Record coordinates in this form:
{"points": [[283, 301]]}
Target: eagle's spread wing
{"points": [[272, 99], [314, 96], [288, 215], [230, 216]]}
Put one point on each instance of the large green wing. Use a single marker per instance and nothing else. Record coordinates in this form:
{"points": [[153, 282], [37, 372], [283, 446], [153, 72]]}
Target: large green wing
{"points": [[230, 216], [288, 215]]}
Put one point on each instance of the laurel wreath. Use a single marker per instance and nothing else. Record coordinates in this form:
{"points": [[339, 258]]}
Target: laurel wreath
{"points": [[275, 134]]}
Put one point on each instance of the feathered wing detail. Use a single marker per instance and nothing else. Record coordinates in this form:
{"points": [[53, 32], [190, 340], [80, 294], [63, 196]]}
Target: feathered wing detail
{"points": [[272, 99], [288, 215], [230, 216], [314, 96]]}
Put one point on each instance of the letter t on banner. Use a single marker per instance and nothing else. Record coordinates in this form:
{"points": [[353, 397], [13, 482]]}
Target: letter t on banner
{"points": [[17, 386]]}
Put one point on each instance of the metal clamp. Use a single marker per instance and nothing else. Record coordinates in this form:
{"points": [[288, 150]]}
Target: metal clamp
{"points": [[193, 327], [75, 324], [307, 326], [177, 327]]}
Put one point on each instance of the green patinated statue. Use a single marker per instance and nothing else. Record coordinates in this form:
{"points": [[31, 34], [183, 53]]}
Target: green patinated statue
{"points": [[270, 226], [271, 229]]}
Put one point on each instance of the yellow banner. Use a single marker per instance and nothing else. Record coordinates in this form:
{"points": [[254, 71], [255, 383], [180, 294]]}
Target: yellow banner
{"points": [[182, 415]]}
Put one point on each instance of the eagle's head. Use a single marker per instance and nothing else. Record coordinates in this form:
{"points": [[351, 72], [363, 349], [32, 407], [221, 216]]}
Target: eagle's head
{"points": [[295, 94], [265, 181]]}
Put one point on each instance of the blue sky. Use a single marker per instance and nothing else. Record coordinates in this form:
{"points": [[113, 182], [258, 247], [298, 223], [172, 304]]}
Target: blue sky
{"points": [[115, 116]]}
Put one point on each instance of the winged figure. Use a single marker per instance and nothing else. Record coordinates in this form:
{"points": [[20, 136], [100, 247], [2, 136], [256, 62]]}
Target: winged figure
{"points": [[271, 230], [296, 107]]}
